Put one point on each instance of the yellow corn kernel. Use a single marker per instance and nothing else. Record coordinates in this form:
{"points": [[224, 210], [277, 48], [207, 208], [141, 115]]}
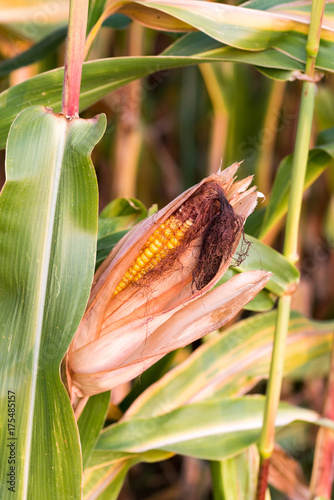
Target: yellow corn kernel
{"points": [[148, 253], [164, 239], [154, 247], [140, 262], [144, 258]]}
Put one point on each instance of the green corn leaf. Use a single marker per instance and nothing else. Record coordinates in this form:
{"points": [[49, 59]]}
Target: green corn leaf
{"points": [[95, 10], [223, 367], [50, 43], [106, 244], [236, 477], [108, 469], [261, 222], [99, 78], [261, 256], [318, 160], [106, 482], [256, 29], [212, 430], [91, 422], [259, 43], [48, 226], [207, 48], [232, 363], [120, 214], [41, 49]]}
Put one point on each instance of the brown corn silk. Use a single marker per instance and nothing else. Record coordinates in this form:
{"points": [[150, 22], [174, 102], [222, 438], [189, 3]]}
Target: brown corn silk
{"points": [[208, 214]]}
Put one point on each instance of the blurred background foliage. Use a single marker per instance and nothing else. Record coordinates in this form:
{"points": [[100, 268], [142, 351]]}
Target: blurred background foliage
{"points": [[164, 134]]}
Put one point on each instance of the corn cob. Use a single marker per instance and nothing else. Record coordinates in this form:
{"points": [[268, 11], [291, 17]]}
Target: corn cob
{"points": [[164, 240]]}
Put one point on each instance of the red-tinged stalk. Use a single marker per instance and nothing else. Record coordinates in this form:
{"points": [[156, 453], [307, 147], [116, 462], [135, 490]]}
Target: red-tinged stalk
{"points": [[74, 57], [323, 466], [302, 143]]}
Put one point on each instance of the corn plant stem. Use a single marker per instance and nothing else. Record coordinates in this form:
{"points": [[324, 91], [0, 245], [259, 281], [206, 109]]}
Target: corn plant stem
{"points": [[275, 377], [299, 165], [74, 56], [303, 136]]}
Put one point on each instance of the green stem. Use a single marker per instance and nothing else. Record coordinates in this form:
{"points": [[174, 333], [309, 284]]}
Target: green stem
{"points": [[313, 39], [303, 136], [74, 56], [217, 477], [275, 378], [299, 165]]}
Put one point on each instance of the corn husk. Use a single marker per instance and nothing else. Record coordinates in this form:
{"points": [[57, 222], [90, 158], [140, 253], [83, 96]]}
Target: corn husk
{"points": [[122, 335]]}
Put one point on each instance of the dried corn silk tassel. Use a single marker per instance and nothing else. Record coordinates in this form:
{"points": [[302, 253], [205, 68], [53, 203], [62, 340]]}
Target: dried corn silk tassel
{"points": [[206, 216], [218, 238]]}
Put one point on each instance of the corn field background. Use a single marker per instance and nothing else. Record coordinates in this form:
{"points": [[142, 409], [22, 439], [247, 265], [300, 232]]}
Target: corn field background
{"points": [[179, 89]]}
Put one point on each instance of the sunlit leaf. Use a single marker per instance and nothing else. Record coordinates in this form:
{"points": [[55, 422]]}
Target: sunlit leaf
{"points": [[261, 256], [119, 215], [91, 422], [257, 29], [48, 225], [107, 471], [278, 203], [98, 79], [232, 363], [236, 477], [239, 27], [213, 430], [35, 53]]}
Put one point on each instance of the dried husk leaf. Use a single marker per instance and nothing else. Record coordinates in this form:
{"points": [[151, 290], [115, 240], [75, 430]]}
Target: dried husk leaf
{"points": [[135, 347], [122, 335]]}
